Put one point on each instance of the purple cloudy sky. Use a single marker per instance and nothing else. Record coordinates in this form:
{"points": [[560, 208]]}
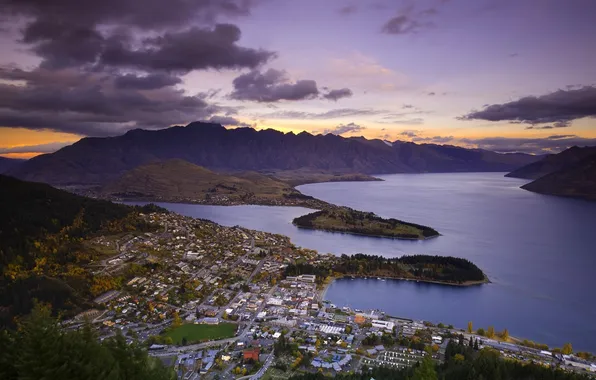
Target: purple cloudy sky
{"points": [[508, 75]]}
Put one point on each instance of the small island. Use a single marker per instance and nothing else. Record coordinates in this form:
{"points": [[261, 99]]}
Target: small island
{"points": [[347, 220], [435, 269]]}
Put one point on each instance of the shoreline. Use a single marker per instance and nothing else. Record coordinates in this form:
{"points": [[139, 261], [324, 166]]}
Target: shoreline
{"points": [[366, 235], [323, 291]]}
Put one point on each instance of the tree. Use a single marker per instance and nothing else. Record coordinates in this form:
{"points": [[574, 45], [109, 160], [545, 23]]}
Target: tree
{"points": [[480, 332], [40, 349], [505, 334], [471, 343], [476, 345], [470, 327], [490, 332], [426, 370], [176, 321], [184, 341], [567, 349], [441, 325]]}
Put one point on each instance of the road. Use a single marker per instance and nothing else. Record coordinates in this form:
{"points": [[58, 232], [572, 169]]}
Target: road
{"points": [[262, 371]]}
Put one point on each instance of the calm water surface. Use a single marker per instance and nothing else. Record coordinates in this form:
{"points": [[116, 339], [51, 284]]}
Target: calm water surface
{"points": [[538, 251]]}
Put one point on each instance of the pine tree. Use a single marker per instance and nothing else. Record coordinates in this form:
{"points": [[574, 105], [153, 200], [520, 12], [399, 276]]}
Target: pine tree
{"points": [[471, 343], [426, 370], [476, 345]]}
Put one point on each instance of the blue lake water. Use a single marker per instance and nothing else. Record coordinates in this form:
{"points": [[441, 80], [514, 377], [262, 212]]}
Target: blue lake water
{"points": [[537, 250]]}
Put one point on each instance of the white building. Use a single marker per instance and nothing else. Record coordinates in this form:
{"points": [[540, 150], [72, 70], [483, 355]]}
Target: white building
{"points": [[382, 324]]}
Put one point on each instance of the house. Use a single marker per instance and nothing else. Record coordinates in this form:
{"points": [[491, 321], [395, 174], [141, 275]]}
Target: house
{"points": [[359, 319], [252, 353]]}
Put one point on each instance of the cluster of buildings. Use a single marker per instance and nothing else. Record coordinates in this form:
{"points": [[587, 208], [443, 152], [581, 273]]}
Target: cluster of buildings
{"points": [[194, 271]]}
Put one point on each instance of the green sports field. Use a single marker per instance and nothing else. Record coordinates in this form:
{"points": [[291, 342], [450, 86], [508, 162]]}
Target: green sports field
{"points": [[198, 333]]}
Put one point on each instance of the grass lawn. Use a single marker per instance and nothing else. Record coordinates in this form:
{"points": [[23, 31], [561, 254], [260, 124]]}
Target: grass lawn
{"points": [[198, 333]]}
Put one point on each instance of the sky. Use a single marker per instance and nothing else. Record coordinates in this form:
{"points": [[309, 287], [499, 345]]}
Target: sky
{"points": [[504, 75]]}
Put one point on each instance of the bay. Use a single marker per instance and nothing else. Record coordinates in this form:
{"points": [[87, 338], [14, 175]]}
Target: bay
{"points": [[537, 250]]}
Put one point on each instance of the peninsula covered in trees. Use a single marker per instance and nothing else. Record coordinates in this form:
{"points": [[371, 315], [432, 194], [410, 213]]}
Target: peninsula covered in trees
{"points": [[440, 269], [347, 220]]}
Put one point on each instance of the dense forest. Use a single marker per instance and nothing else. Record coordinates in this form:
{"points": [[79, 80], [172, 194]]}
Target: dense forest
{"points": [[42, 254], [422, 267], [347, 220], [461, 362], [40, 349]]}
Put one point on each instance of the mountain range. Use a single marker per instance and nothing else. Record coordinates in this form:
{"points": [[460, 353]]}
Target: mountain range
{"points": [[553, 163], [571, 173], [102, 160], [7, 164]]}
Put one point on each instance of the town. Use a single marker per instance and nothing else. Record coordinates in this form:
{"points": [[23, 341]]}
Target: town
{"points": [[218, 302]]}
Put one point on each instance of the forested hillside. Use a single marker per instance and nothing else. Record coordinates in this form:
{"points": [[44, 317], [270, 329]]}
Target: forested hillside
{"points": [[422, 267], [41, 250], [40, 349]]}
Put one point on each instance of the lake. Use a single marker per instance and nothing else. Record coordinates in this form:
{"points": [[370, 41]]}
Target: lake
{"points": [[537, 250]]}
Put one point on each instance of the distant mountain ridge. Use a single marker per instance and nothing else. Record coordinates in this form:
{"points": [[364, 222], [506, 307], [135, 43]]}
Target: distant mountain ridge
{"points": [[571, 173], [7, 164], [553, 163], [101, 160], [578, 181]]}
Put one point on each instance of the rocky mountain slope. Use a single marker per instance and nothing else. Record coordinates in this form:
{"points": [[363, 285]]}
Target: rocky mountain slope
{"points": [[101, 160]]}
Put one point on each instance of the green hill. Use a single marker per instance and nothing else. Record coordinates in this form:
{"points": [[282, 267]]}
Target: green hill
{"points": [[577, 181], [180, 181], [553, 163]]}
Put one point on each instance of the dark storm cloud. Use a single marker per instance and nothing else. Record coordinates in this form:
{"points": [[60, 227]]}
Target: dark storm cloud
{"points": [[112, 65], [551, 144], [410, 21], [401, 24], [150, 14], [562, 106], [69, 33], [91, 104], [41, 148], [344, 128], [62, 44], [331, 114], [227, 120], [272, 86], [192, 49], [559, 124], [335, 95], [147, 82]]}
